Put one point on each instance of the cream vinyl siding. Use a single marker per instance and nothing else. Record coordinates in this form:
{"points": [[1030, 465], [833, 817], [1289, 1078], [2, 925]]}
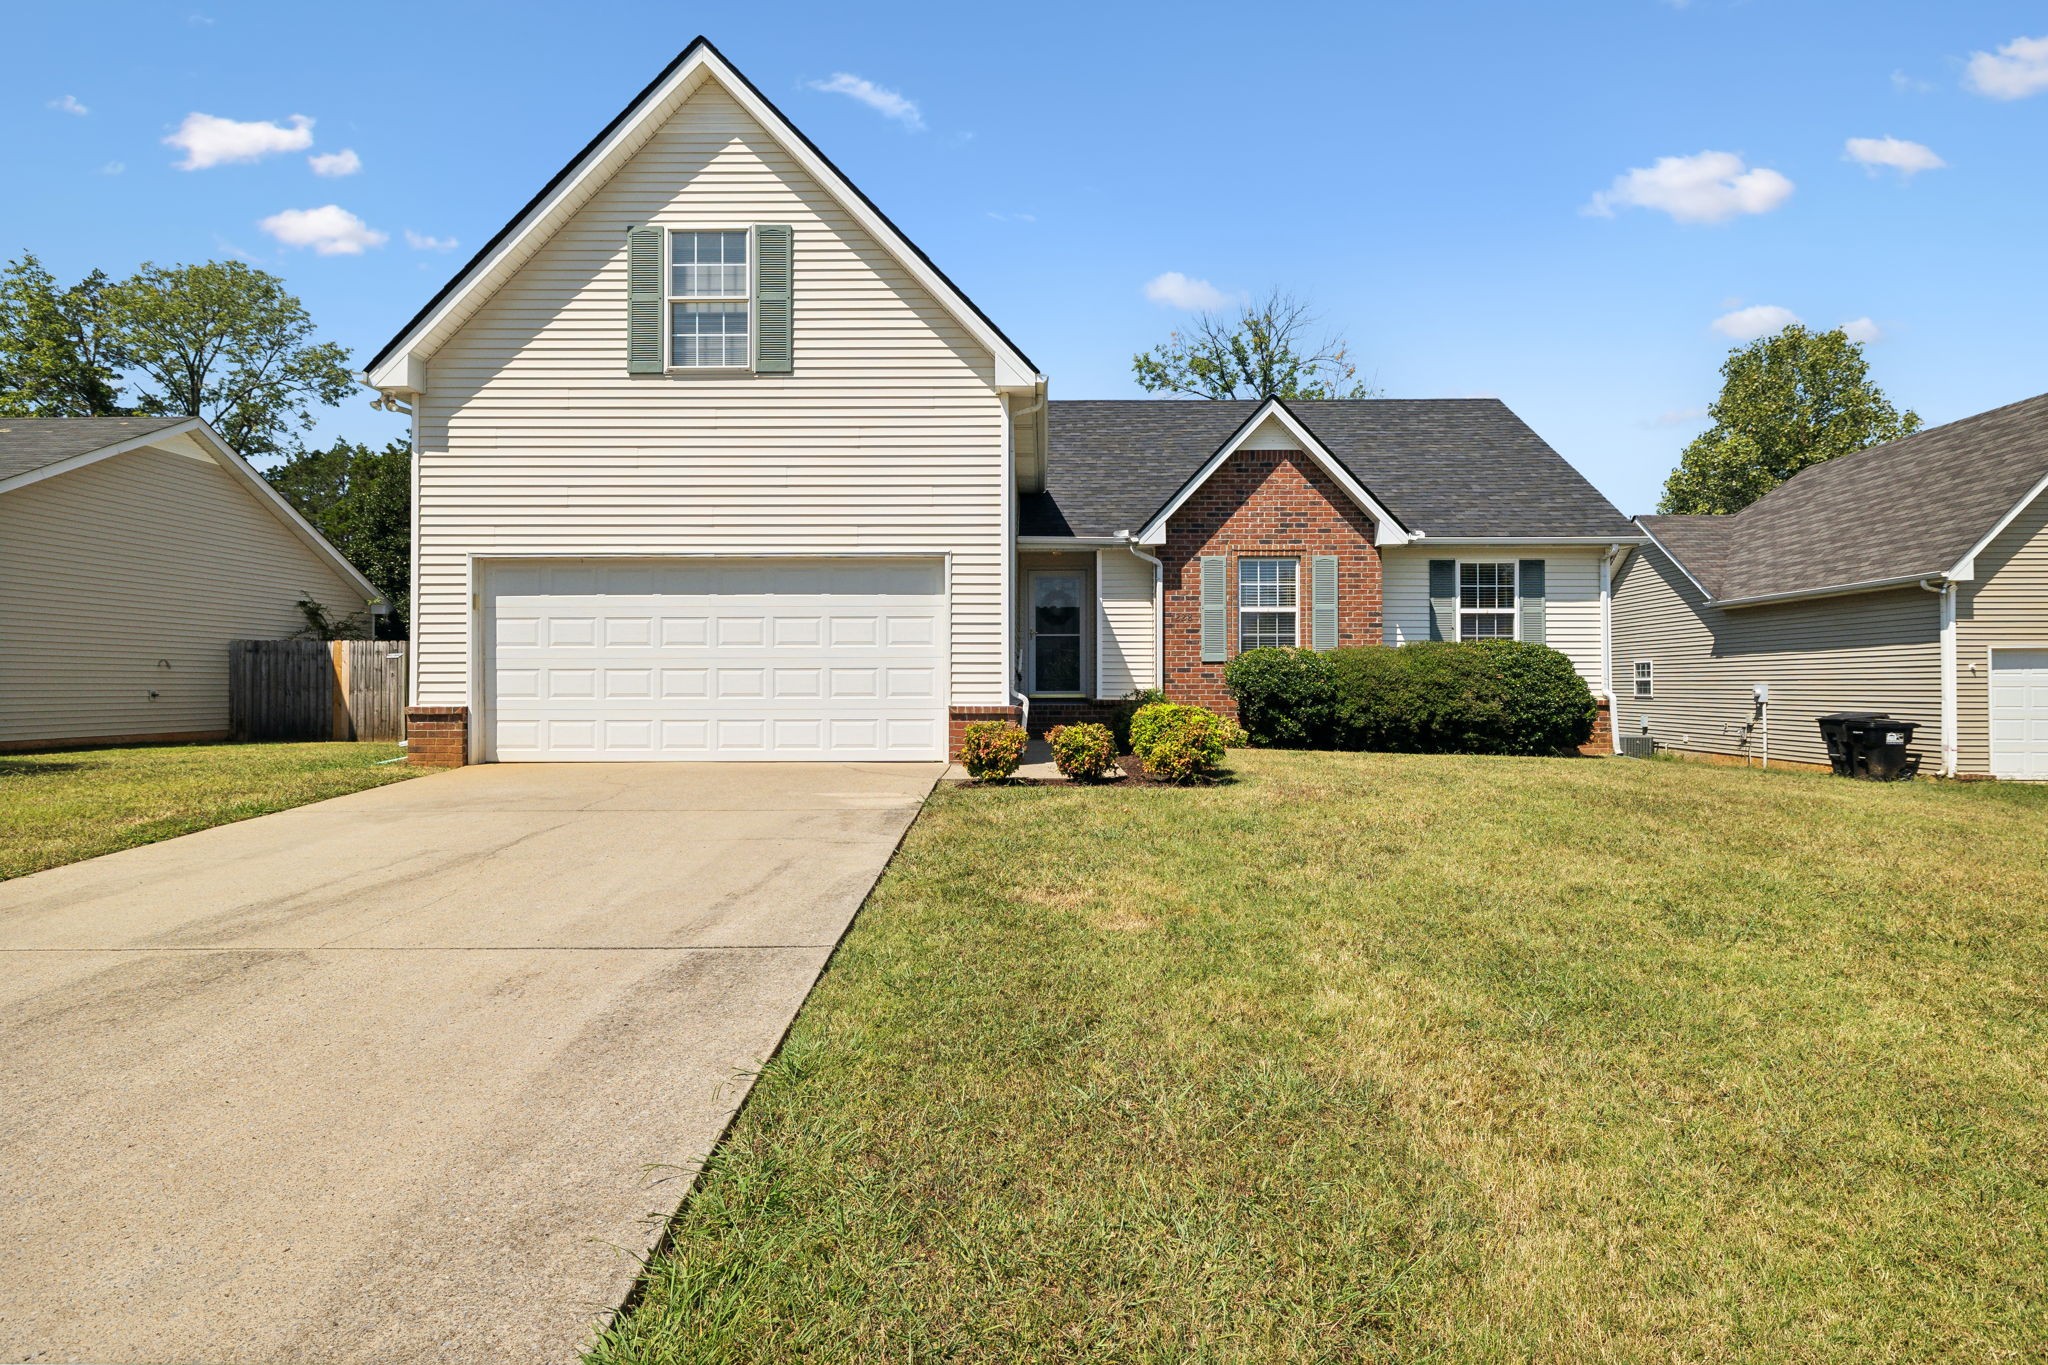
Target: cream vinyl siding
{"points": [[2006, 606], [1865, 652], [1571, 613], [1127, 623], [154, 555], [887, 437]]}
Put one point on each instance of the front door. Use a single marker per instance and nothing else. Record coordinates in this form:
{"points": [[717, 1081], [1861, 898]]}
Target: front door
{"points": [[1056, 630]]}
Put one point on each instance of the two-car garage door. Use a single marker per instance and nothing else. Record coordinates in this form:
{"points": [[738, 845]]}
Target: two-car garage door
{"points": [[589, 660]]}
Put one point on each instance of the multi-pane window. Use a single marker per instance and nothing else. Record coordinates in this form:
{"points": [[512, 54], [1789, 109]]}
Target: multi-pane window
{"points": [[1486, 601], [708, 298], [1268, 603], [1646, 678]]}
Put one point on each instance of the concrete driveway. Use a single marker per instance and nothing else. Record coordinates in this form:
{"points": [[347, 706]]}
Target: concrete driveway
{"points": [[414, 1074]]}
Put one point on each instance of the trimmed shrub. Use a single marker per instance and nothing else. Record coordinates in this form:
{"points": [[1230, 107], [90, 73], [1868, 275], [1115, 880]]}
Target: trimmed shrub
{"points": [[1284, 696], [992, 749], [1083, 752], [1127, 707], [1181, 743], [1475, 697]]}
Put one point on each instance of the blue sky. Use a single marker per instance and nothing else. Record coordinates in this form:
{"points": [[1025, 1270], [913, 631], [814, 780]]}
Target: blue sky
{"points": [[1506, 198]]}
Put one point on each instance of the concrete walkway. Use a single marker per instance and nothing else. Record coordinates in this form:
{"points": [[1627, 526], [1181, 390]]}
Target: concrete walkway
{"points": [[414, 1074]]}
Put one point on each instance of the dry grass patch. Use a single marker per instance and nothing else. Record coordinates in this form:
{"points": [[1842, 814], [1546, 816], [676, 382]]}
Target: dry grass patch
{"points": [[1414, 1059]]}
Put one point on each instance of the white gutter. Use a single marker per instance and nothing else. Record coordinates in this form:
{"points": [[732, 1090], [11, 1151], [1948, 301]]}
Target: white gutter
{"points": [[1158, 611], [1609, 541], [1839, 590], [1949, 745]]}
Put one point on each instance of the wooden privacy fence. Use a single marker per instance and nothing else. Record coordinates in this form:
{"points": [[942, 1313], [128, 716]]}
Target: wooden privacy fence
{"points": [[316, 689]]}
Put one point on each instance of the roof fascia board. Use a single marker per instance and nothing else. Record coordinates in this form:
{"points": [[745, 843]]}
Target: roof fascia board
{"points": [[701, 61], [225, 456], [1390, 531], [1071, 542], [1427, 541], [121, 447], [1833, 590], [1965, 569]]}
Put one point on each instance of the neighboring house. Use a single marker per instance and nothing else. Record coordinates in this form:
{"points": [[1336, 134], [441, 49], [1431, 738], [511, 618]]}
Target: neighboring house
{"points": [[712, 462], [132, 550], [1909, 578]]}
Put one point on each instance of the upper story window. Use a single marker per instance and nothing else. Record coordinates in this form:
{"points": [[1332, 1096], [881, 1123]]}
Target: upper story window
{"points": [[1486, 601], [1646, 677], [1268, 603], [708, 300]]}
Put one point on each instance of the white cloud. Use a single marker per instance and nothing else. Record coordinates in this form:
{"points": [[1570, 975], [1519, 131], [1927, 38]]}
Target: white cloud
{"points": [[420, 241], [1013, 217], [343, 162], [68, 104], [1176, 290], [1708, 188], [330, 230], [1680, 417], [113, 168], [1864, 330], [1757, 320], [1911, 85], [2019, 69], [1907, 158], [210, 141], [887, 103]]}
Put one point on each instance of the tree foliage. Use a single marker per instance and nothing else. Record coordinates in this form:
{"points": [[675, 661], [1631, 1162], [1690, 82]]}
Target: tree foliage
{"points": [[361, 500], [1263, 352], [57, 355], [1787, 401]]}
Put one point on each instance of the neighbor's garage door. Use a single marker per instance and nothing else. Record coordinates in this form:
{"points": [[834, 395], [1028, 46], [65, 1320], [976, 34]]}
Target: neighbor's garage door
{"points": [[594, 660], [2019, 713]]}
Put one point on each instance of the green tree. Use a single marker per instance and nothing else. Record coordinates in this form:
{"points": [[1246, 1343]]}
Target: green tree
{"points": [[361, 500], [57, 355], [1787, 401], [227, 342], [1263, 352]]}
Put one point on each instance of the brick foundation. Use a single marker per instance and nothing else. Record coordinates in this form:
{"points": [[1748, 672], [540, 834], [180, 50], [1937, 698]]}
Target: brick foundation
{"points": [[960, 717], [1049, 715], [1263, 503], [1602, 741], [436, 736]]}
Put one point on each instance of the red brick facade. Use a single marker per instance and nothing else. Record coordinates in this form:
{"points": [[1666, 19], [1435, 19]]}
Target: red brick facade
{"points": [[1263, 503], [961, 717], [1602, 741], [436, 736]]}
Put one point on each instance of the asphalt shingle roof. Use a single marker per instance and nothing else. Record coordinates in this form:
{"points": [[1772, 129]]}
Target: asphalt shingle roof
{"points": [[1908, 508], [1447, 467], [29, 443]]}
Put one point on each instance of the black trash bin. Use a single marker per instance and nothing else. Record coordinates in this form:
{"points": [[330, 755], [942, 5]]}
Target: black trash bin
{"points": [[1868, 744]]}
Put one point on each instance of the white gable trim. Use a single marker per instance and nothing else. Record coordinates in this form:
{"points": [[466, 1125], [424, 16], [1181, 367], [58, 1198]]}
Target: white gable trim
{"points": [[403, 365], [210, 442], [1389, 530], [1965, 569]]}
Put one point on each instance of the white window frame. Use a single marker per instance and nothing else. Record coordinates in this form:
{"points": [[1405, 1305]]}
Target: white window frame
{"points": [[1645, 678], [1514, 610], [669, 298], [1243, 608]]}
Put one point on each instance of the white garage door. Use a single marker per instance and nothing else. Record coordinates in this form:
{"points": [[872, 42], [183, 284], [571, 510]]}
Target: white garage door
{"points": [[2019, 714], [594, 660]]}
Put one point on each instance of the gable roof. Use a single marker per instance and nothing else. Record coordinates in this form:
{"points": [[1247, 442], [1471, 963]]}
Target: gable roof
{"points": [[33, 449], [1444, 468], [1918, 507], [28, 444], [614, 145]]}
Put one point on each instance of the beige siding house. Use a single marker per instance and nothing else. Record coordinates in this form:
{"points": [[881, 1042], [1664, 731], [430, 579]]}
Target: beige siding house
{"points": [[133, 550], [1937, 614]]}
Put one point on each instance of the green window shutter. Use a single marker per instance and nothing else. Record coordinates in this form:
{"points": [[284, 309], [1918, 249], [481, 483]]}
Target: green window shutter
{"points": [[1323, 599], [643, 300], [1443, 599], [1529, 585], [1215, 611], [772, 268]]}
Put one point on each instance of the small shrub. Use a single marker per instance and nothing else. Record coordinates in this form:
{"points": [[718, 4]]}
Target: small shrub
{"points": [[1181, 743], [1129, 706], [992, 749], [1084, 753], [1474, 697], [1284, 696]]}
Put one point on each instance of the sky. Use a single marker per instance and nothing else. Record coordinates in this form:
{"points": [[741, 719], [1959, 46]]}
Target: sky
{"points": [[1575, 208]]}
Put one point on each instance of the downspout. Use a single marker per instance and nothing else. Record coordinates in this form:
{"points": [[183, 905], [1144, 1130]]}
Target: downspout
{"points": [[1009, 595], [1949, 747], [1607, 562], [1158, 610]]}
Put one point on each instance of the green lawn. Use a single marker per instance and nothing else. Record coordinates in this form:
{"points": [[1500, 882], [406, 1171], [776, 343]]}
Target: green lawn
{"points": [[60, 807], [1390, 1058]]}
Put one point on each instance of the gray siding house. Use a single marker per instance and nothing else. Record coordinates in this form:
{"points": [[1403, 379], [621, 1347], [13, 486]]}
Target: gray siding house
{"points": [[1909, 578]]}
